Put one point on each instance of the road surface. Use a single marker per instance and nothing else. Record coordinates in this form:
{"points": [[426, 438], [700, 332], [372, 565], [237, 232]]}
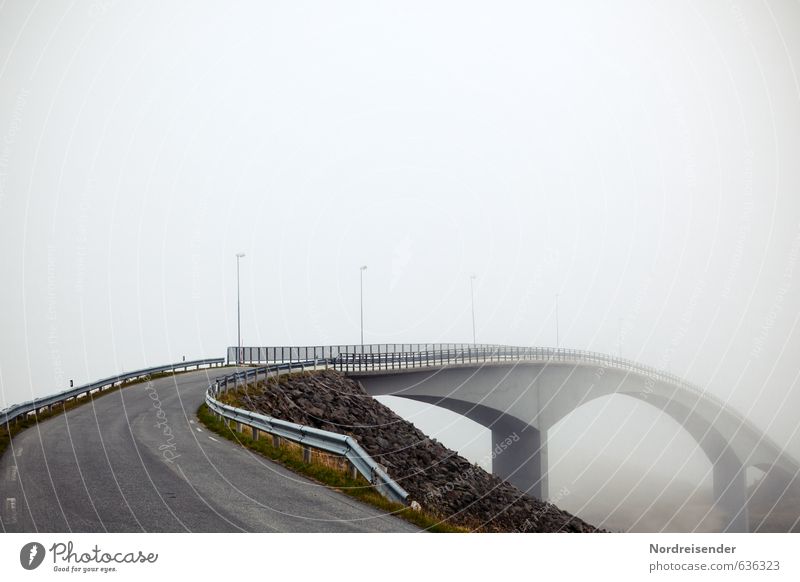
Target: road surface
{"points": [[139, 460]]}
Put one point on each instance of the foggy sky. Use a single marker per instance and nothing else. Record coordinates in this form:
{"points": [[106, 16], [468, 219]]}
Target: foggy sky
{"points": [[639, 160]]}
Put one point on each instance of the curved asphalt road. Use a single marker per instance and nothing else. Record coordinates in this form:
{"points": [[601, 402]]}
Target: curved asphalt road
{"points": [[103, 467]]}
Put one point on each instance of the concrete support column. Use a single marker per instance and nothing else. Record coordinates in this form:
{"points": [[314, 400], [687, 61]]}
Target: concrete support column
{"points": [[519, 456], [544, 464], [730, 493]]}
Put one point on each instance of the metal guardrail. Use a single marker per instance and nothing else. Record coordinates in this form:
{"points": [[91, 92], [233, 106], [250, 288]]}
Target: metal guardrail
{"points": [[331, 442], [255, 355], [12, 413], [443, 354]]}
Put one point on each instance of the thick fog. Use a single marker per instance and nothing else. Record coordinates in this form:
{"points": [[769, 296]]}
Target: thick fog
{"points": [[637, 160]]}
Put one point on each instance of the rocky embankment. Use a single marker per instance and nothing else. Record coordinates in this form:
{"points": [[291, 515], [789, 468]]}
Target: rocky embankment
{"points": [[443, 482]]}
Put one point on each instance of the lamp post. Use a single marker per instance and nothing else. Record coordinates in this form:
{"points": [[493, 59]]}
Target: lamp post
{"points": [[238, 312], [558, 342], [361, 275], [472, 298]]}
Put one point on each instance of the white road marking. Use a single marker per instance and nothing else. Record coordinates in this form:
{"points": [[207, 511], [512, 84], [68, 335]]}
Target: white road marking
{"points": [[213, 439], [11, 510], [191, 421], [198, 429], [18, 452], [12, 473]]}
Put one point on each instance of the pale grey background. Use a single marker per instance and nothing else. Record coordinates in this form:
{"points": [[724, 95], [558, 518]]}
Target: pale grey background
{"points": [[638, 159]]}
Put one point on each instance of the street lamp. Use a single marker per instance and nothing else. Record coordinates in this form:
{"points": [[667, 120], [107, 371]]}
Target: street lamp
{"points": [[558, 343], [472, 297], [238, 311], [361, 275]]}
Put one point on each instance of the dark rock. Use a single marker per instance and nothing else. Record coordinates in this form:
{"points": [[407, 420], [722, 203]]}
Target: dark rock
{"points": [[443, 482]]}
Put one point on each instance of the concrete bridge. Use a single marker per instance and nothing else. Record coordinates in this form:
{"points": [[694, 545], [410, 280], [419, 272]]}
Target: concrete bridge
{"points": [[520, 393]]}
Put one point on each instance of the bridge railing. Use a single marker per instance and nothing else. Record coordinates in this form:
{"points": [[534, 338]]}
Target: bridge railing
{"points": [[261, 355], [469, 353], [306, 436], [489, 353], [19, 411]]}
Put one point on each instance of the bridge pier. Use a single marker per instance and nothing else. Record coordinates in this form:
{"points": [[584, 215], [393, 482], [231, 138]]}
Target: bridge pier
{"points": [[730, 494], [519, 451], [519, 456]]}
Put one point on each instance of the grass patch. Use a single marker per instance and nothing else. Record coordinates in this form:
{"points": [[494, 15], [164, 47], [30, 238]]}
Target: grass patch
{"points": [[358, 488], [7, 432]]}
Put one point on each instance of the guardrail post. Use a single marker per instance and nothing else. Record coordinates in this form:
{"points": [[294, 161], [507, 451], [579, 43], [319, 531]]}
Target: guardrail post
{"points": [[256, 433], [306, 454], [276, 441], [376, 480]]}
